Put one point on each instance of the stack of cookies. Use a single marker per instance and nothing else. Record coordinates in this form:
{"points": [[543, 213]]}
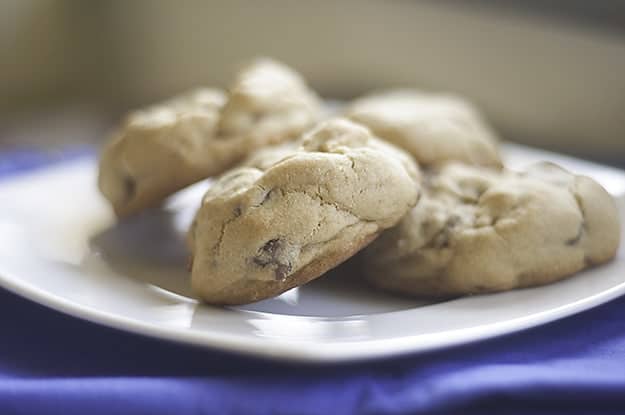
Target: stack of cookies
{"points": [[409, 184]]}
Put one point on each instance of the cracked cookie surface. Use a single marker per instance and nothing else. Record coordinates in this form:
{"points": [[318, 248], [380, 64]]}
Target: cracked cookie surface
{"points": [[261, 231], [169, 146], [478, 230], [434, 128]]}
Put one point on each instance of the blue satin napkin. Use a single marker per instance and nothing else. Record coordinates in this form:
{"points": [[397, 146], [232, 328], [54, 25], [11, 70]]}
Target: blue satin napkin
{"points": [[51, 363]]}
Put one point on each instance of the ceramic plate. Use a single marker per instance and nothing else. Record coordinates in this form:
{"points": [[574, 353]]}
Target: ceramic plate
{"points": [[60, 246]]}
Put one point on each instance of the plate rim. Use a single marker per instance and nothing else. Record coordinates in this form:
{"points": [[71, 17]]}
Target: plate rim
{"points": [[289, 350], [320, 352]]}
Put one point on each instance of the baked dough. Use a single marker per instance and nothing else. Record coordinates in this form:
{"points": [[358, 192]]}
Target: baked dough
{"points": [[171, 145], [478, 230], [434, 128], [260, 232], [266, 157]]}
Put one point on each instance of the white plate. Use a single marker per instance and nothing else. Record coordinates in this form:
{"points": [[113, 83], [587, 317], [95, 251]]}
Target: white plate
{"points": [[59, 247]]}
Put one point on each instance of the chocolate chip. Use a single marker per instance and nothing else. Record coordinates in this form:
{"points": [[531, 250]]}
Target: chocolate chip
{"points": [[130, 187], [267, 196], [452, 221], [237, 211], [267, 253], [282, 271], [273, 254]]}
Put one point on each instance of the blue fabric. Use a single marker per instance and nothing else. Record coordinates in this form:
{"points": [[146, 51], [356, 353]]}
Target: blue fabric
{"points": [[54, 364], [22, 159]]}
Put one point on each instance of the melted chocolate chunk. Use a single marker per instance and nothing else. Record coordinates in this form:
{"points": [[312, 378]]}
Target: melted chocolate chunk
{"points": [[267, 253], [272, 254], [282, 271]]}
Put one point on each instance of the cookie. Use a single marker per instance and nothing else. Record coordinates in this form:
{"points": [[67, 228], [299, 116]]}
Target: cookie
{"points": [[266, 157], [478, 230], [260, 232], [434, 128], [169, 146]]}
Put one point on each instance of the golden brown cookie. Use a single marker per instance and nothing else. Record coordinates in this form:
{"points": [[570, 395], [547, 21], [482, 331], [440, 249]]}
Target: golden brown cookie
{"points": [[478, 230], [260, 232], [434, 128], [164, 148]]}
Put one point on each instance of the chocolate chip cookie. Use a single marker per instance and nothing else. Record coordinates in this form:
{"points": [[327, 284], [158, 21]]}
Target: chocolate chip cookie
{"points": [[434, 128], [164, 148], [263, 230], [478, 230]]}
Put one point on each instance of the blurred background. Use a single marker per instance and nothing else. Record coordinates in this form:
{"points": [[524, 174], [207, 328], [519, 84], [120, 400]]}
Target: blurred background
{"points": [[546, 73]]}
